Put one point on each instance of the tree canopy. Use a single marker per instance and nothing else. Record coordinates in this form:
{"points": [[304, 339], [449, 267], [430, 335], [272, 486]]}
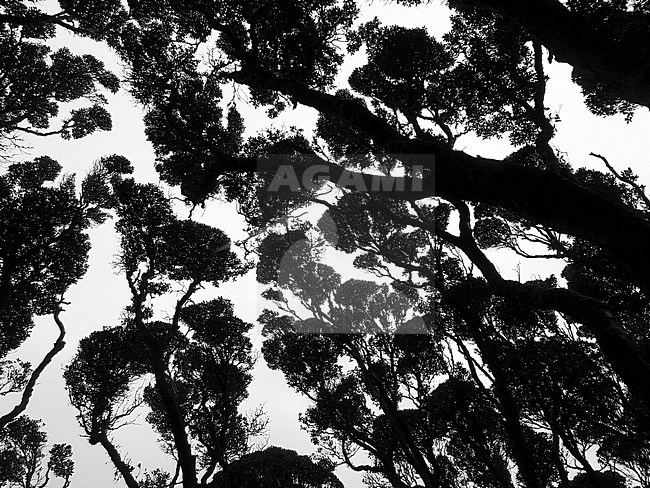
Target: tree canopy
{"points": [[23, 455], [441, 372]]}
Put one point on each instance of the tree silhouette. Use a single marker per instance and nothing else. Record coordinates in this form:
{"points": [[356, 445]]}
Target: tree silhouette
{"points": [[23, 455], [605, 42], [43, 250], [43, 241], [530, 393], [195, 366], [276, 467], [554, 380], [36, 81], [522, 190], [485, 76]]}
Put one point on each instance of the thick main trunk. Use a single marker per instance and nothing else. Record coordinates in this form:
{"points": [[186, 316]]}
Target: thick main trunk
{"points": [[176, 420], [541, 196], [551, 200]]}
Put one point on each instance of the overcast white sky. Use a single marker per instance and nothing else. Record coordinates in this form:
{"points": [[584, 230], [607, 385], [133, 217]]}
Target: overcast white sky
{"points": [[98, 299]]}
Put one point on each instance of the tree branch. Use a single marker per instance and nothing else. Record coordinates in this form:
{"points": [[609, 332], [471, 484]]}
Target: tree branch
{"points": [[59, 344], [637, 189], [573, 209], [123, 468]]}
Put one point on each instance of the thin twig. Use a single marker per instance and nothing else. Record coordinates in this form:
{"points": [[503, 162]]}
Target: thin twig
{"points": [[639, 191]]}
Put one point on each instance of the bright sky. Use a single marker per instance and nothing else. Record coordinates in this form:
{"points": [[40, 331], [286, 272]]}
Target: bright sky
{"points": [[98, 299]]}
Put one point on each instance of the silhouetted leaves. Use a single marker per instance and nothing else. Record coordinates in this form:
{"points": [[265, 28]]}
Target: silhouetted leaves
{"points": [[277, 467], [24, 460]]}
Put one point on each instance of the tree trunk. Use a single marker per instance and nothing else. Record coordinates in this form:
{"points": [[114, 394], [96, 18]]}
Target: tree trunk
{"points": [[123, 468]]}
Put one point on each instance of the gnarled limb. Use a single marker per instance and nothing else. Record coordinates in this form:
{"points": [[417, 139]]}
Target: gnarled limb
{"points": [[59, 344], [541, 196]]}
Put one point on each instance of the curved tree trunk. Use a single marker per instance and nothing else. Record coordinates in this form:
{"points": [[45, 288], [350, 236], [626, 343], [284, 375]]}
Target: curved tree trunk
{"points": [[59, 344]]}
